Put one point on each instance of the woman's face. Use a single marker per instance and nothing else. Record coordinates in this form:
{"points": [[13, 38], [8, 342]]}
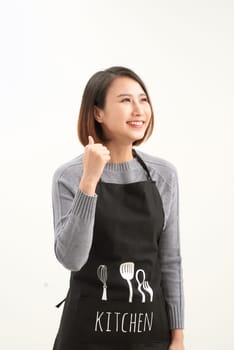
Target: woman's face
{"points": [[127, 111]]}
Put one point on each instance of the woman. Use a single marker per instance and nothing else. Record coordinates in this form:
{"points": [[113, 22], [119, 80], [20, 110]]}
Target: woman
{"points": [[116, 226]]}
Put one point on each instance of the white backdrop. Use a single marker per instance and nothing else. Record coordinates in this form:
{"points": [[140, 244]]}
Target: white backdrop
{"points": [[184, 51]]}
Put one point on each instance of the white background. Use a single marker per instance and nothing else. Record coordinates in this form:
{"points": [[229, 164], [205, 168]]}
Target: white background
{"points": [[184, 51]]}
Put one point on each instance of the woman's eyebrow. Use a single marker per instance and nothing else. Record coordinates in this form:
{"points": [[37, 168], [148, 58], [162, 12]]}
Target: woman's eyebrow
{"points": [[120, 95]]}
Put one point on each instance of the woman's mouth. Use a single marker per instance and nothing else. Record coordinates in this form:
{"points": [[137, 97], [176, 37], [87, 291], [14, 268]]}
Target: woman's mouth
{"points": [[136, 123]]}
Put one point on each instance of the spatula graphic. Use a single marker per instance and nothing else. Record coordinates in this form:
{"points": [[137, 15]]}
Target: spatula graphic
{"points": [[127, 273]]}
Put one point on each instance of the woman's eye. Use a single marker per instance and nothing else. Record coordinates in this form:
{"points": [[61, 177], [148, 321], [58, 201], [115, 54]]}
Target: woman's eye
{"points": [[144, 99]]}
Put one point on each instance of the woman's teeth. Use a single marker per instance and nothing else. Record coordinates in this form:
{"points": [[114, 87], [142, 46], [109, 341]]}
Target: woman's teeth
{"points": [[136, 123]]}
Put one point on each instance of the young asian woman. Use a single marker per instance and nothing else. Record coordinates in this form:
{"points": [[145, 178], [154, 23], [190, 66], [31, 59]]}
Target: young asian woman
{"points": [[116, 225]]}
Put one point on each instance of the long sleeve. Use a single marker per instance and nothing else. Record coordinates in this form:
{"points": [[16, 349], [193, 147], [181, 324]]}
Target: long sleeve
{"points": [[171, 261], [73, 218]]}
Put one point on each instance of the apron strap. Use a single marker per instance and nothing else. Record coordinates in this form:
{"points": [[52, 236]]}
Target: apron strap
{"points": [[61, 302], [140, 160]]}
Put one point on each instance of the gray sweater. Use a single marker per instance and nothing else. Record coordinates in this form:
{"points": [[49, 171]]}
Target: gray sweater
{"points": [[74, 213]]}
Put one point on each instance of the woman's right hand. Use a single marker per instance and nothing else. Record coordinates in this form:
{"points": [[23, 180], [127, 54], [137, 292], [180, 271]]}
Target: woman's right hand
{"points": [[95, 158]]}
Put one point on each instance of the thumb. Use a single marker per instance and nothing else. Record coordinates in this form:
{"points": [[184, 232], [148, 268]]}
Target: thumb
{"points": [[91, 140]]}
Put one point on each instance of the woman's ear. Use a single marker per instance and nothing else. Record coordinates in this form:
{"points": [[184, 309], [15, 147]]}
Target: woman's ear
{"points": [[98, 114]]}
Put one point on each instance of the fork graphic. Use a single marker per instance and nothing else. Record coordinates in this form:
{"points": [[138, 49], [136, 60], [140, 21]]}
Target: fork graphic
{"points": [[148, 289]]}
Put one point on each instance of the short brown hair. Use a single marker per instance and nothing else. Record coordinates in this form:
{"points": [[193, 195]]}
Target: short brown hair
{"points": [[94, 95]]}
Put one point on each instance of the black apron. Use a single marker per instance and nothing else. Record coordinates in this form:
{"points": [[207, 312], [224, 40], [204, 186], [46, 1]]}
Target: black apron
{"points": [[116, 301]]}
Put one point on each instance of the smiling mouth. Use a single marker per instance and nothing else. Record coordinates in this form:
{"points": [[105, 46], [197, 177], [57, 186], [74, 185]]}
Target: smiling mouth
{"points": [[136, 123]]}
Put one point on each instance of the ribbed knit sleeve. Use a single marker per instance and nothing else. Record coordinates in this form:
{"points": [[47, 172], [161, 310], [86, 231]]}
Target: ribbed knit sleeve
{"points": [[73, 215], [171, 261]]}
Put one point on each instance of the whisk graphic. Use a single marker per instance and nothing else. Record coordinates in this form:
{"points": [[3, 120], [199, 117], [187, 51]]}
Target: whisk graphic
{"points": [[102, 275]]}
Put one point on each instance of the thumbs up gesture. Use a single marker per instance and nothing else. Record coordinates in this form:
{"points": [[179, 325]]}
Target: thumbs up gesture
{"points": [[95, 158]]}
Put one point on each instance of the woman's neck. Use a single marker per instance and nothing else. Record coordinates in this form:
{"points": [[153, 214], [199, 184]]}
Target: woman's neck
{"points": [[120, 154]]}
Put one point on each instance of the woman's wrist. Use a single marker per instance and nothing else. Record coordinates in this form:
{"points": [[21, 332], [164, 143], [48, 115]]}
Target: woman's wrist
{"points": [[88, 187], [177, 334]]}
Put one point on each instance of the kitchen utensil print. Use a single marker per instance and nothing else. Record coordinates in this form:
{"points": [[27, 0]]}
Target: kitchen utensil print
{"points": [[127, 273], [143, 284], [147, 287], [102, 275], [140, 284]]}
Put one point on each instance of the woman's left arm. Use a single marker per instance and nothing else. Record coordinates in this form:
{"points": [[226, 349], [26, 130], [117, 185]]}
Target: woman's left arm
{"points": [[171, 264]]}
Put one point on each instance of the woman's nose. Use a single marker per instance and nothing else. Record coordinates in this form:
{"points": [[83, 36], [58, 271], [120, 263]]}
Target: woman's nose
{"points": [[137, 108]]}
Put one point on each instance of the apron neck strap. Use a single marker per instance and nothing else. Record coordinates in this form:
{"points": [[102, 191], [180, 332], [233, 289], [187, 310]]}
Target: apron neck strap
{"points": [[140, 160]]}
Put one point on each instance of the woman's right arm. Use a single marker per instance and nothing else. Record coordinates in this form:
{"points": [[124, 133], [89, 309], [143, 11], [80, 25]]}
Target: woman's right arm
{"points": [[74, 213], [73, 217]]}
